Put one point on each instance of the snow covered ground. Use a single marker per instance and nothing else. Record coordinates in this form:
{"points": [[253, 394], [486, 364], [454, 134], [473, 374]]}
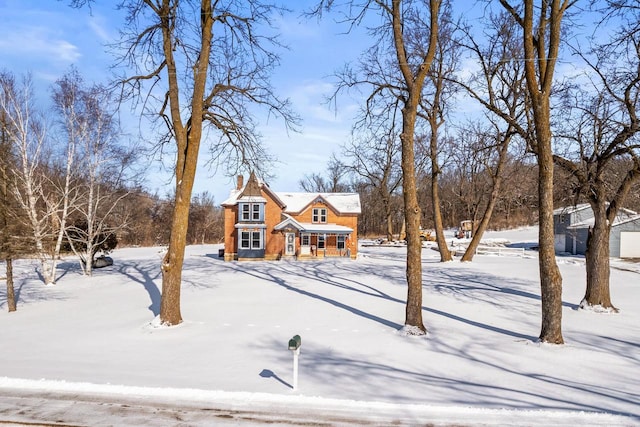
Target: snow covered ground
{"points": [[93, 347]]}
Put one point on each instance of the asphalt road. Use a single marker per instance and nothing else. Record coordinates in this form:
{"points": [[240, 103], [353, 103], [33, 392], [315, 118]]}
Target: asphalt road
{"points": [[40, 408], [24, 407]]}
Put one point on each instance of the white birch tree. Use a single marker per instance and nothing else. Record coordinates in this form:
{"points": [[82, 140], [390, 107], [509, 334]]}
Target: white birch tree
{"points": [[100, 163], [26, 129]]}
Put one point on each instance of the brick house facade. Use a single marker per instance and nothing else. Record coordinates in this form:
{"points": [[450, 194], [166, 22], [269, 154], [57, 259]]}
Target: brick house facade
{"points": [[260, 224]]}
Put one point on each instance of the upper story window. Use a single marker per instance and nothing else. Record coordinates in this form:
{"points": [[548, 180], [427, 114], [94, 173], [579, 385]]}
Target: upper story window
{"points": [[256, 212], [319, 215], [252, 212]]}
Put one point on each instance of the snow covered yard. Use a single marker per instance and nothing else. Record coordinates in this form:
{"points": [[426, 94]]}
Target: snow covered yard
{"points": [[480, 354]]}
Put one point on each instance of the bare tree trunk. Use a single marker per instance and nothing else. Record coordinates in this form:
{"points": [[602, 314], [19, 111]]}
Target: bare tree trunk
{"points": [[11, 295], [597, 264], [484, 223], [389, 227], [170, 313], [541, 42], [412, 218], [188, 143], [493, 199], [550, 277], [445, 253], [388, 216], [414, 84]]}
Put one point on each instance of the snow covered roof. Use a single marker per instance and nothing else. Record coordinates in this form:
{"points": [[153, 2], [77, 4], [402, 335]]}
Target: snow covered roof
{"points": [[326, 228], [583, 206], [620, 219], [295, 202], [341, 202], [307, 227], [571, 209]]}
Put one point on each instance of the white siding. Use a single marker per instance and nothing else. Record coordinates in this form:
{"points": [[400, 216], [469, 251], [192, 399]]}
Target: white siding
{"points": [[629, 244]]}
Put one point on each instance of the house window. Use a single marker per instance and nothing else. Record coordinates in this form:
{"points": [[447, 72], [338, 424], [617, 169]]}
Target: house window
{"points": [[341, 240], [251, 212], [256, 240], [319, 215], [245, 242], [320, 241], [251, 239], [562, 219], [305, 239]]}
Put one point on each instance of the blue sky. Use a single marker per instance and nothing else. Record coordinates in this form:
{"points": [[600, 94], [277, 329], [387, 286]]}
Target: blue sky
{"points": [[45, 38]]}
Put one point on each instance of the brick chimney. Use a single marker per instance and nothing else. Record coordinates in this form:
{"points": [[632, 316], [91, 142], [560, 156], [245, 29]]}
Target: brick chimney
{"points": [[240, 182]]}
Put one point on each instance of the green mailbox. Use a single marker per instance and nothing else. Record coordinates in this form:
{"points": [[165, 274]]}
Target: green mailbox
{"points": [[295, 342]]}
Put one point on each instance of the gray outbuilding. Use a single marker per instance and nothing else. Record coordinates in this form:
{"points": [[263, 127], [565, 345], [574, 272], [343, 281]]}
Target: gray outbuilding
{"points": [[571, 228]]}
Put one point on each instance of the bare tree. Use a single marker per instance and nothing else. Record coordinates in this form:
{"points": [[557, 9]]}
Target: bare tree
{"points": [[8, 247], [375, 159], [64, 95], [435, 103], [99, 162], [600, 125], [26, 130], [485, 152], [541, 26], [409, 34], [332, 182], [314, 183], [206, 224], [199, 66], [499, 86]]}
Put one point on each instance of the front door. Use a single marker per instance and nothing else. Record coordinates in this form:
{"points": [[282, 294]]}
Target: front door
{"points": [[290, 244]]}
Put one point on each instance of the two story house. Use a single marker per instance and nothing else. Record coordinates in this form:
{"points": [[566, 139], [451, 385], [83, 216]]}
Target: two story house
{"points": [[261, 224]]}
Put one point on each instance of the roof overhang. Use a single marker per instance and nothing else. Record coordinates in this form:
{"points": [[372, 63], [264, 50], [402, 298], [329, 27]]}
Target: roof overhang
{"points": [[249, 225], [326, 229], [305, 227], [288, 222]]}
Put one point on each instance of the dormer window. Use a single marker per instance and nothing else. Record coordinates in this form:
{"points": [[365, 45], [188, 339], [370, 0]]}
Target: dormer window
{"points": [[319, 215], [251, 212]]}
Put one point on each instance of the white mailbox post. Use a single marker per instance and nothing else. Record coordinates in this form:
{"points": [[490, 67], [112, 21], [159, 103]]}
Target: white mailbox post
{"points": [[294, 346]]}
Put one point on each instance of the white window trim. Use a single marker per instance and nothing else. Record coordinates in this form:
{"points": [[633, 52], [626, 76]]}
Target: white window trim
{"points": [[303, 237], [247, 211], [319, 216], [252, 232]]}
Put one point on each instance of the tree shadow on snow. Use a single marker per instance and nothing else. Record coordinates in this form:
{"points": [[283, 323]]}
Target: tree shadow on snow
{"points": [[330, 274], [473, 285], [355, 376], [144, 276], [268, 272], [27, 290]]}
